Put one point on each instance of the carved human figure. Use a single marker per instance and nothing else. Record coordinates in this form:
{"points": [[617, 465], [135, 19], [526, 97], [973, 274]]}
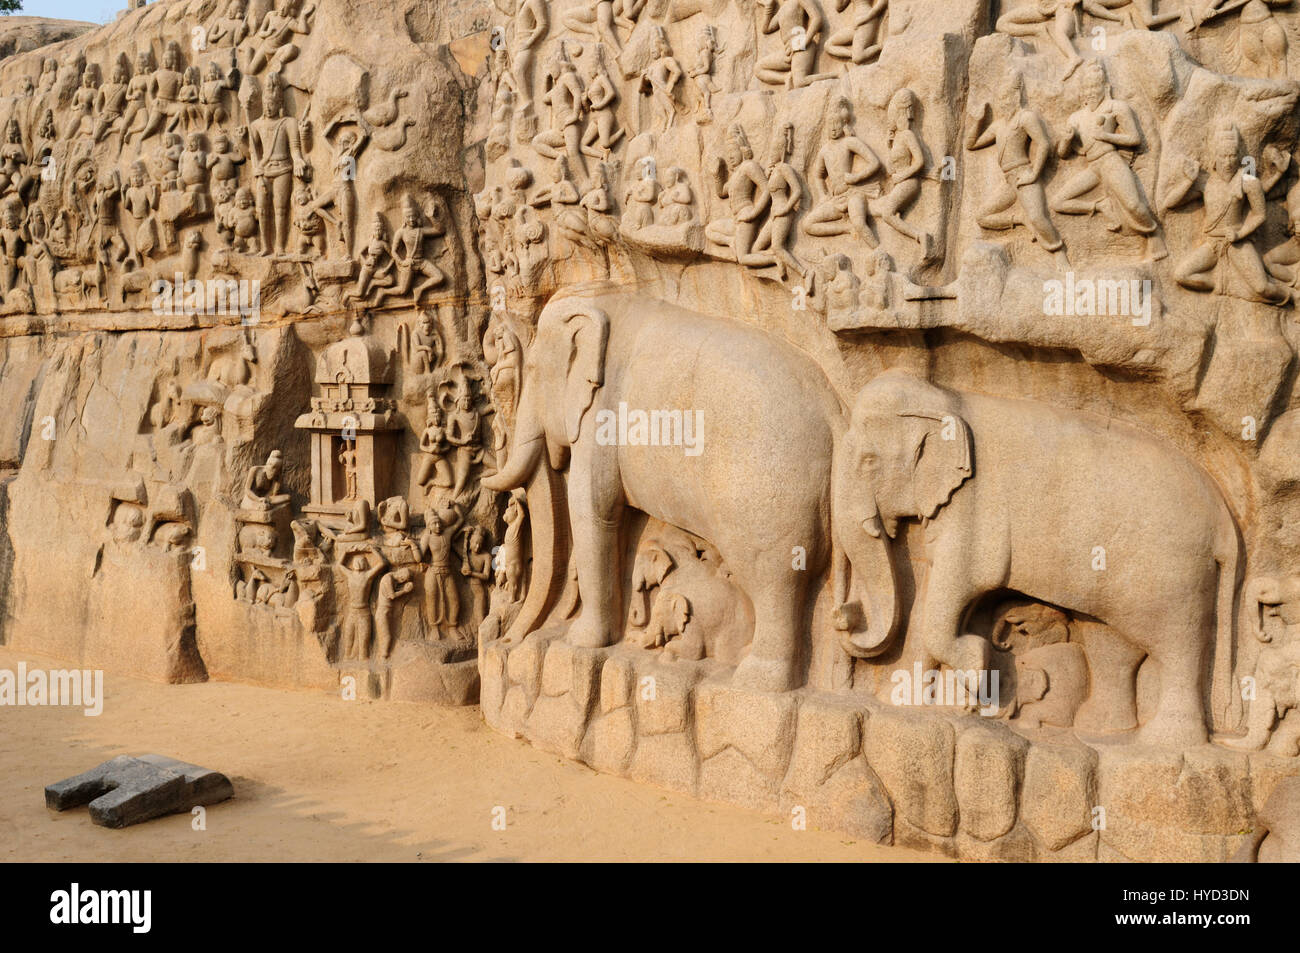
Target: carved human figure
{"points": [[141, 202], [843, 165], [262, 485], [800, 24], [530, 21], [1259, 43], [14, 177], [137, 92], [1056, 21], [603, 131], [565, 96], [441, 598], [503, 112], [641, 196], [82, 121], [1234, 208], [660, 80], [476, 567], [243, 224], [786, 191], [275, 35], [1023, 148], [593, 18], [424, 348], [741, 181], [676, 200], [110, 101], [212, 96], [409, 257], [906, 165], [706, 52], [505, 360], [562, 197], [14, 240], [861, 41], [164, 93], [343, 195], [231, 28], [393, 588], [432, 469], [277, 159], [464, 424], [376, 263], [349, 460], [599, 204], [1100, 128], [189, 98], [360, 567]]}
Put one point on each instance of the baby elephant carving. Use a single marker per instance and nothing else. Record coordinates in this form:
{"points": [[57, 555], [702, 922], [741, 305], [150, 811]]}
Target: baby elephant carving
{"points": [[1051, 678]]}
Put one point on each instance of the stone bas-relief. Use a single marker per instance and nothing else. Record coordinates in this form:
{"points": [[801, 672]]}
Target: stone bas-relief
{"points": [[886, 409], [987, 325]]}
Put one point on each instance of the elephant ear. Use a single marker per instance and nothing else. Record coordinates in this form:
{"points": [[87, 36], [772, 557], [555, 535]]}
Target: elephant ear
{"points": [[587, 332], [941, 461]]}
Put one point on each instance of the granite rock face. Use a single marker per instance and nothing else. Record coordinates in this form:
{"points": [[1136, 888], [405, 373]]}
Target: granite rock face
{"points": [[882, 412], [129, 790]]}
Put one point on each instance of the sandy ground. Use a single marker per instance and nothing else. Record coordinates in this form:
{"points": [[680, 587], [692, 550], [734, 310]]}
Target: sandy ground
{"points": [[319, 778]]}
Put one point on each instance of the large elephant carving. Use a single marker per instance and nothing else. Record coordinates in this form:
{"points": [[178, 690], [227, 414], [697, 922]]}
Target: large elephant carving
{"points": [[758, 489], [1067, 508]]}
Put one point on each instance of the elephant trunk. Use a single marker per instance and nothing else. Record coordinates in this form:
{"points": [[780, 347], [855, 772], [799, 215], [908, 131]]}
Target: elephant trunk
{"points": [[863, 567], [526, 445]]}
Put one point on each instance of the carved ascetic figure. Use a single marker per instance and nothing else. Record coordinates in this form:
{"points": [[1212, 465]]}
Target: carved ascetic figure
{"points": [[676, 200], [861, 42], [262, 485], [799, 24], [584, 362], [1234, 208], [987, 475], [1273, 712], [843, 164], [641, 197], [1023, 147], [360, 567], [1100, 128], [343, 196]]}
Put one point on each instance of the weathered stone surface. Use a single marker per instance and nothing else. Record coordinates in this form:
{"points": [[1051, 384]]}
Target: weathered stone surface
{"points": [[913, 757], [1059, 793], [986, 780], [760, 728], [132, 790]]}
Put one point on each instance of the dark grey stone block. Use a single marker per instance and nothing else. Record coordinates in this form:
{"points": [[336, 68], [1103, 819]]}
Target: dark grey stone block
{"points": [[129, 790]]}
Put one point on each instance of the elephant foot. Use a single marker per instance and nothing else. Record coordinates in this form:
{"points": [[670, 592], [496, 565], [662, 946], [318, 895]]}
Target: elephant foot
{"points": [[1240, 742], [756, 674], [970, 657], [1173, 731], [588, 632]]}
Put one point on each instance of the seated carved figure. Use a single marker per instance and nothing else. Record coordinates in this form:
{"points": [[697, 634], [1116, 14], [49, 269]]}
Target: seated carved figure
{"points": [[262, 485]]}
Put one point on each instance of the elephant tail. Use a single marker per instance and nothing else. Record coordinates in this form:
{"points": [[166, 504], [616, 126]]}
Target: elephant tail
{"points": [[1225, 700]]}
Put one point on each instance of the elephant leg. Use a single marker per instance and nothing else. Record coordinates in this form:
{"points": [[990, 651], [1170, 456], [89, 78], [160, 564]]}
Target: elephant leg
{"points": [[943, 612], [1180, 717], [1111, 705], [595, 518], [778, 600]]}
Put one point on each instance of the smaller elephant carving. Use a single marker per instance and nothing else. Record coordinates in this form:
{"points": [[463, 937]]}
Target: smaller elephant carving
{"points": [[1273, 690], [1051, 677], [684, 601]]}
